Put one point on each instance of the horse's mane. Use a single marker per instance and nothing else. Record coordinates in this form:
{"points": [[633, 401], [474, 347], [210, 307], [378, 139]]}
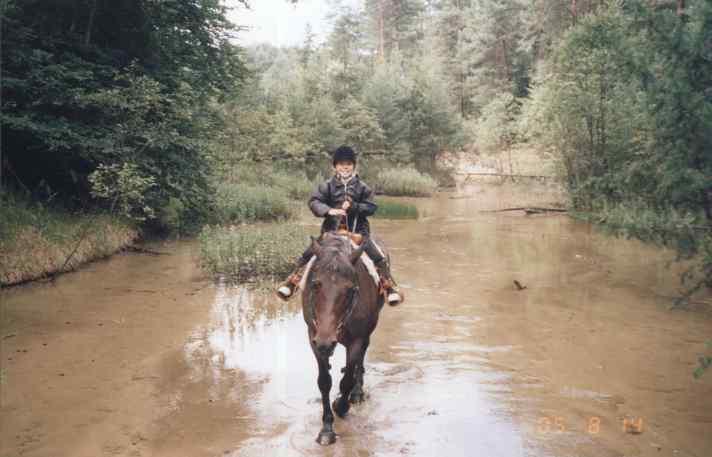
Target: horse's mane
{"points": [[334, 255]]}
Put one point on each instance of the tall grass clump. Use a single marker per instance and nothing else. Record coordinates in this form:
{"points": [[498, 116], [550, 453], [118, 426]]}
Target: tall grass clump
{"points": [[395, 210], [252, 251], [238, 203], [295, 185], [37, 240], [407, 182]]}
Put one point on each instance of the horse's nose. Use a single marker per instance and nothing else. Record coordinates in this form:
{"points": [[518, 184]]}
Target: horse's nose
{"points": [[325, 348]]}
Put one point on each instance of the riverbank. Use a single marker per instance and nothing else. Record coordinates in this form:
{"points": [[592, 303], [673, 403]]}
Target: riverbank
{"points": [[37, 242]]}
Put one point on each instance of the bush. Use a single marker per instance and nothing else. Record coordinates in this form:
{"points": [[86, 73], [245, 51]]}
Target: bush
{"points": [[296, 186], [293, 183], [251, 251], [395, 210], [237, 203], [405, 182]]}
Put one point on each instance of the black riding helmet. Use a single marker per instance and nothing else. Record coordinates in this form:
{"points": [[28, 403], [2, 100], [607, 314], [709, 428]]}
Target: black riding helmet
{"points": [[344, 154]]}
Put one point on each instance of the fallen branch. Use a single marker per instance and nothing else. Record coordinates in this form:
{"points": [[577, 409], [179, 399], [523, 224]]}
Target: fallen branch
{"points": [[144, 251], [84, 233], [527, 209], [504, 175]]}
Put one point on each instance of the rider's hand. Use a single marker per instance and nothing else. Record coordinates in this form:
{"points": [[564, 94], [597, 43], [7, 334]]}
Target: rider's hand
{"points": [[337, 212], [346, 205]]}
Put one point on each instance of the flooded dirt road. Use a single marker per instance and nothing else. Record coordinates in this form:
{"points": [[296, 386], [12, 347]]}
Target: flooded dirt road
{"points": [[143, 356]]}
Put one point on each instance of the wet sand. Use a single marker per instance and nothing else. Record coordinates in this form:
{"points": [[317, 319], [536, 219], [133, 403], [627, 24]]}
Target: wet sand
{"points": [[144, 356]]}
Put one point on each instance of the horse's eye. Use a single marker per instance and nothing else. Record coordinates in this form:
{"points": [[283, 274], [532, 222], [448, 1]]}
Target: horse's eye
{"points": [[316, 284]]}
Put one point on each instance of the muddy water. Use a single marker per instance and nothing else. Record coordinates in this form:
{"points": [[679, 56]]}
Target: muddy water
{"points": [[142, 356]]}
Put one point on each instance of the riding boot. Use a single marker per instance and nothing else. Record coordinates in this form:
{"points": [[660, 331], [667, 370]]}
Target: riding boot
{"points": [[286, 290], [393, 295]]}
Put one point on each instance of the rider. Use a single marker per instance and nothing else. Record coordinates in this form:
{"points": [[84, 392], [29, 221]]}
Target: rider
{"points": [[345, 196]]}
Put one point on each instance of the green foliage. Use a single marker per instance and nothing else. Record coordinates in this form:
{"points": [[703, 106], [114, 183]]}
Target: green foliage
{"points": [[105, 83], [295, 185], [389, 209], [384, 94], [247, 252], [405, 182], [496, 128], [237, 203], [361, 128], [124, 188], [432, 122], [291, 182]]}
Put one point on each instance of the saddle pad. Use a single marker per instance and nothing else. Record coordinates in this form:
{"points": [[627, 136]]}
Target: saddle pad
{"points": [[370, 266], [303, 281]]}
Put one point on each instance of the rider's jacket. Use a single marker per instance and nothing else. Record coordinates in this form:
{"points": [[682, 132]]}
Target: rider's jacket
{"points": [[333, 192]]}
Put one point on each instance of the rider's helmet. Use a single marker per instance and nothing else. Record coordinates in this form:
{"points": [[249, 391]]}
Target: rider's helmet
{"points": [[344, 154]]}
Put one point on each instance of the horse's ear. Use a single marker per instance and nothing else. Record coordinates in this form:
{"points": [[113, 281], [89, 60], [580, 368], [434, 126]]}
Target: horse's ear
{"points": [[356, 254], [316, 247]]}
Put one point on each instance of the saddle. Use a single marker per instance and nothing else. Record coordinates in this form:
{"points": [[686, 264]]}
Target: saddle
{"points": [[356, 240]]}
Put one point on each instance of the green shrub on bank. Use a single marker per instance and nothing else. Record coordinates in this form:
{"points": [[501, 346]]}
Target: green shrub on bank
{"points": [[250, 251], [237, 203], [395, 210], [295, 185], [407, 182]]}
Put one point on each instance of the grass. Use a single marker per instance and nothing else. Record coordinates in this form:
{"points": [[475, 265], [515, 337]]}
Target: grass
{"points": [[395, 210], [239, 203], [36, 240], [254, 251], [293, 183], [296, 186], [406, 182]]}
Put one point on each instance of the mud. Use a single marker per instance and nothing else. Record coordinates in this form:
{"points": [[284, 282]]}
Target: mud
{"points": [[143, 356]]}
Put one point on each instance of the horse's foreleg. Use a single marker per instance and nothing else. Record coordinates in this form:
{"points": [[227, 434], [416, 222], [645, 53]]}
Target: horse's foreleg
{"points": [[326, 435], [357, 395], [354, 360]]}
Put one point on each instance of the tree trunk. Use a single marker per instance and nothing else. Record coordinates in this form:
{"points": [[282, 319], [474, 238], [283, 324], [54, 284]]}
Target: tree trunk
{"points": [[680, 7], [90, 25], [75, 15], [381, 45], [574, 11]]}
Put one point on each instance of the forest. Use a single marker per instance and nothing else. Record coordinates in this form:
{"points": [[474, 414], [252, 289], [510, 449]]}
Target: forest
{"points": [[141, 108]]}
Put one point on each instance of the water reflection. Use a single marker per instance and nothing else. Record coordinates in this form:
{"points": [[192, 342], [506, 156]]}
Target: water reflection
{"points": [[427, 394]]}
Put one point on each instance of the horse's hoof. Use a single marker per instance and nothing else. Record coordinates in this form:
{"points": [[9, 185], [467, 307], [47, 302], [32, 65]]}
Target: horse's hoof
{"points": [[341, 408], [326, 438], [357, 398]]}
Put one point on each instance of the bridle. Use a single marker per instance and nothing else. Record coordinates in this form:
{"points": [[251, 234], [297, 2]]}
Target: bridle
{"points": [[351, 299]]}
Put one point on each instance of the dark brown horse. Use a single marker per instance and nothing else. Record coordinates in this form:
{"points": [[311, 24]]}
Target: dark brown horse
{"points": [[340, 303]]}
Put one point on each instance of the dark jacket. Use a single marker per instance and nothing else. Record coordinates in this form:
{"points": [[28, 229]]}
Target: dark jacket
{"points": [[332, 194]]}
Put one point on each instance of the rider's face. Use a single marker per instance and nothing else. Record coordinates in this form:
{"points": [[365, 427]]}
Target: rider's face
{"points": [[344, 167]]}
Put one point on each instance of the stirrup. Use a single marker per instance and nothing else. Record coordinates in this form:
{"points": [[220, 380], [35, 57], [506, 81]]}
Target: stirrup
{"points": [[394, 297], [287, 289], [285, 292]]}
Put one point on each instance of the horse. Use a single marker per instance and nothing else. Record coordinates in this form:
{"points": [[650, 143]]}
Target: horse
{"points": [[340, 303]]}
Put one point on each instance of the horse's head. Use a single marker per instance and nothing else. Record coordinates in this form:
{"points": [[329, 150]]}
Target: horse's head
{"points": [[331, 290]]}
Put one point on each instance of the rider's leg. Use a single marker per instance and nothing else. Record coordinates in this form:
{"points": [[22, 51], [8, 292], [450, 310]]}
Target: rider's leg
{"points": [[393, 295], [287, 288]]}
